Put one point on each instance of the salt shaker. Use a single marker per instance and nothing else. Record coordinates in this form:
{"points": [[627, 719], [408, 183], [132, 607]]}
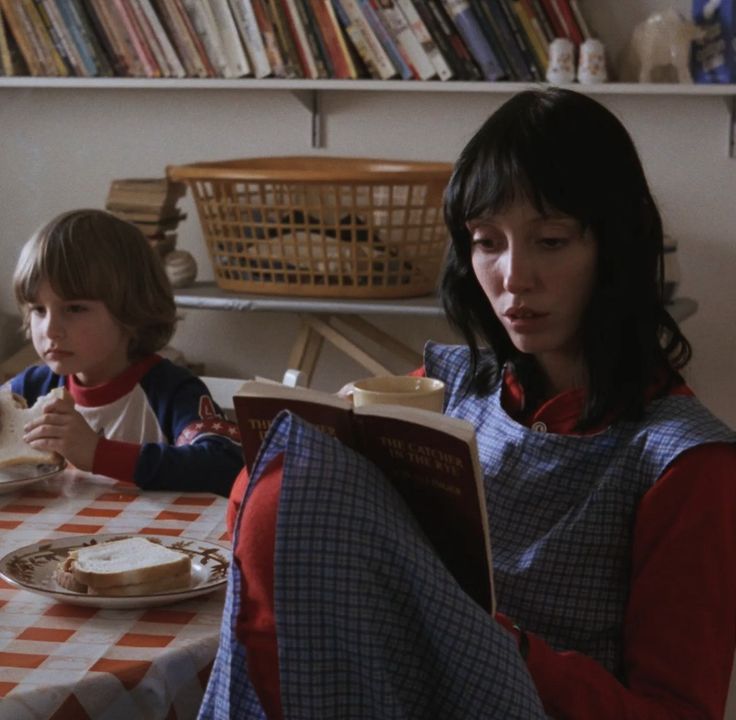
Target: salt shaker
{"points": [[561, 67], [592, 65]]}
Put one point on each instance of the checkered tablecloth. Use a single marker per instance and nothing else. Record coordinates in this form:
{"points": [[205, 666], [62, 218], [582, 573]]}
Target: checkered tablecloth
{"points": [[72, 663]]}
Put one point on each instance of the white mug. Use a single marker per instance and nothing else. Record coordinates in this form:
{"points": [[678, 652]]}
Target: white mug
{"points": [[407, 390], [592, 65], [561, 66]]}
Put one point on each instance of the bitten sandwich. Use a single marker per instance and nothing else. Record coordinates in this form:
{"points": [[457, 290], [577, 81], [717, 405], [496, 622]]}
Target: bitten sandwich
{"points": [[133, 566], [13, 416]]}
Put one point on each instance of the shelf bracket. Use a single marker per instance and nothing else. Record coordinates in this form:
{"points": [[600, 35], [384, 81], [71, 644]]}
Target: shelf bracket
{"points": [[312, 100], [731, 102]]}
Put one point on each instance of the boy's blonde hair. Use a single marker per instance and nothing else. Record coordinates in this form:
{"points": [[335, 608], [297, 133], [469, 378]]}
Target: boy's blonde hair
{"points": [[93, 255]]}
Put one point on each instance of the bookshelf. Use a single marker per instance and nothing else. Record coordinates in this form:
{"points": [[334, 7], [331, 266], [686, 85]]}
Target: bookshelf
{"points": [[308, 92]]}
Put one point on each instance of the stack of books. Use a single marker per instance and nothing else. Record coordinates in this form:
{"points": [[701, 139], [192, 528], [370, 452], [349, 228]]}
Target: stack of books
{"points": [[151, 205], [343, 39]]}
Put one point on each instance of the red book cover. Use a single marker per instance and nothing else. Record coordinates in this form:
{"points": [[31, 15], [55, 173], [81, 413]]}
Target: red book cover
{"points": [[332, 41], [431, 459]]}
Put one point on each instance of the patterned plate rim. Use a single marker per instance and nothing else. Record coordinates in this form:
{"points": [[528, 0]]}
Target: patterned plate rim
{"points": [[22, 561]]}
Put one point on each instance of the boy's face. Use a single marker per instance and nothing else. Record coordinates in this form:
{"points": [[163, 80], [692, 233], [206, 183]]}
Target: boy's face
{"points": [[77, 337]]}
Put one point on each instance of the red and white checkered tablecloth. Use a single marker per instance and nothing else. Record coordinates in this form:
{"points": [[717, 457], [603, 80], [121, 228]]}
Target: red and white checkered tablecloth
{"points": [[65, 662]]}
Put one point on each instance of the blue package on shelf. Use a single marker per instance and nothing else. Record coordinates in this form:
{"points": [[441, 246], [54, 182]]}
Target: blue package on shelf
{"points": [[713, 58]]}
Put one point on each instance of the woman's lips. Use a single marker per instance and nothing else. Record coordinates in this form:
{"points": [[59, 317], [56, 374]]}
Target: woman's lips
{"points": [[524, 319], [57, 354]]}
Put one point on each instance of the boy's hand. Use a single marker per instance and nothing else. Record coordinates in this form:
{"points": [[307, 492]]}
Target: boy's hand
{"points": [[63, 430]]}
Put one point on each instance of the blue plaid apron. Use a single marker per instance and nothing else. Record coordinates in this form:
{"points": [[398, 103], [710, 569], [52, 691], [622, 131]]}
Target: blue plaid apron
{"points": [[371, 625]]}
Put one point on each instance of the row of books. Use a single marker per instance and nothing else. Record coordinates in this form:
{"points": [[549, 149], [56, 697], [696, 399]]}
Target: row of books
{"points": [[342, 39]]}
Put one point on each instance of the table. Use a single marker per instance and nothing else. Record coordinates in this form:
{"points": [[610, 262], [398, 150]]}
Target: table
{"points": [[321, 318], [65, 662]]}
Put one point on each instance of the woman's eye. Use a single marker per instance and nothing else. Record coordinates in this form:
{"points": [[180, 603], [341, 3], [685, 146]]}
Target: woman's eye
{"points": [[487, 244], [76, 308], [37, 309], [552, 242]]}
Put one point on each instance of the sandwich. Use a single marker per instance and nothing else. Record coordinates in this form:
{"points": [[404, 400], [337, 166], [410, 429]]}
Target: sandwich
{"points": [[131, 566], [14, 414]]}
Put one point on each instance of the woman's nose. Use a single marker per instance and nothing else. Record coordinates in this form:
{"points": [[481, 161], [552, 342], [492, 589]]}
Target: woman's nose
{"points": [[519, 271]]}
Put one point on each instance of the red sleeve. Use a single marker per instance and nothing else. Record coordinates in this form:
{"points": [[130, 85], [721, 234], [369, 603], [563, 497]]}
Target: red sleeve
{"points": [[255, 625], [680, 624], [116, 459]]}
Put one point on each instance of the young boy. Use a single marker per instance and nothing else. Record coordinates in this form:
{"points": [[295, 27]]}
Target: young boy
{"points": [[98, 306]]}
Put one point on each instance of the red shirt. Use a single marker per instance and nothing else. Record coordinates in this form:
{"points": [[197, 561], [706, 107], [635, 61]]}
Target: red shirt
{"points": [[679, 630]]}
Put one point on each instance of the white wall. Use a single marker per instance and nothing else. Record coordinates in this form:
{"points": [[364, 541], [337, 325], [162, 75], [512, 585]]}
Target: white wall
{"points": [[61, 148]]}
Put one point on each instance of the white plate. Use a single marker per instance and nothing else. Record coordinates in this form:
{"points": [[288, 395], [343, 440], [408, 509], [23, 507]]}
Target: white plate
{"points": [[18, 476], [33, 568]]}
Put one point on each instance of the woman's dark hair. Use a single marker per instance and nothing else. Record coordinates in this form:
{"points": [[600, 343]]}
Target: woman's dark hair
{"points": [[93, 255], [560, 149]]}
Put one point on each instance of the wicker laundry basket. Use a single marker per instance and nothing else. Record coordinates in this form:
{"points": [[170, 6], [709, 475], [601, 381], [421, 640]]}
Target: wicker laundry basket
{"points": [[321, 226]]}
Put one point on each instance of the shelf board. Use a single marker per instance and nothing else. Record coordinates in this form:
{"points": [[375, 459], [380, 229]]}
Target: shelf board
{"points": [[124, 83]]}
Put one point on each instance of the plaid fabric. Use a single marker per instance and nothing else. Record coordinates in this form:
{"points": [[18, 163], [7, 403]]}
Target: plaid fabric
{"points": [[562, 507], [370, 623]]}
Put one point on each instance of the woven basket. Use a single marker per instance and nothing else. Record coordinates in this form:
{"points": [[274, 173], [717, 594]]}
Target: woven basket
{"points": [[321, 226]]}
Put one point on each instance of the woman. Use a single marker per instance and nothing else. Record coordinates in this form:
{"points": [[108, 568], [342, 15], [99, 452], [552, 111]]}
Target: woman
{"points": [[611, 490]]}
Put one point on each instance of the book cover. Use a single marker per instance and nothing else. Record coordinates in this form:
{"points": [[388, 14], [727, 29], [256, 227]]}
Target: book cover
{"points": [[67, 66], [365, 39], [129, 15], [489, 31], [515, 58], [470, 69], [544, 21], [18, 31], [384, 38], [39, 44], [467, 24], [236, 61], [555, 20], [412, 50], [579, 18], [431, 459], [566, 20], [250, 34], [424, 36]]}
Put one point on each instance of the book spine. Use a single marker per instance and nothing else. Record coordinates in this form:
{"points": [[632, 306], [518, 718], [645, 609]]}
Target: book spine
{"points": [[172, 60], [268, 33], [470, 69], [53, 31], [335, 57], [557, 23], [522, 41], [467, 24], [358, 27], [506, 35], [298, 34], [237, 60], [440, 39], [385, 39], [540, 54], [204, 29], [407, 41], [64, 8], [104, 32], [169, 16], [40, 42], [102, 62], [207, 68], [284, 39], [424, 37], [577, 13], [539, 38], [316, 42], [564, 13], [355, 34], [489, 31], [144, 65], [148, 38], [6, 61], [251, 36], [543, 19]]}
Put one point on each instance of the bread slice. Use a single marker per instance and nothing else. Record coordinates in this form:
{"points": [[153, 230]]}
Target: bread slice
{"points": [[166, 583], [13, 449], [134, 561]]}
